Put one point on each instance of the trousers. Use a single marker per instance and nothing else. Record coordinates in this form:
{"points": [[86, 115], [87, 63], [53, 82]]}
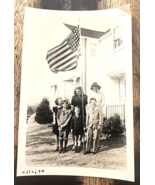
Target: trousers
{"points": [[92, 134]]}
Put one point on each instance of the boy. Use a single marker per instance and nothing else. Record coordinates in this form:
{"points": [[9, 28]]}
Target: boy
{"points": [[63, 118], [77, 128], [79, 99], [93, 125]]}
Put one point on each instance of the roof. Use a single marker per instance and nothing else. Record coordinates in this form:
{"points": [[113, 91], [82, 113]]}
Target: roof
{"points": [[87, 32], [64, 80]]}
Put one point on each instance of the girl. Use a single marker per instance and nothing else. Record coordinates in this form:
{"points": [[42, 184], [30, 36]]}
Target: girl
{"points": [[58, 102]]}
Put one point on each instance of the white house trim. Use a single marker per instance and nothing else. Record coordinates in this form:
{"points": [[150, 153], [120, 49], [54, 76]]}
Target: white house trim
{"points": [[104, 37], [117, 73]]}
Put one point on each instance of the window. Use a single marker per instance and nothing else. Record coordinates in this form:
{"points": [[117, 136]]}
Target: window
{"points": [[125, 88], [122, 89], [119, 83], [117, 37]]}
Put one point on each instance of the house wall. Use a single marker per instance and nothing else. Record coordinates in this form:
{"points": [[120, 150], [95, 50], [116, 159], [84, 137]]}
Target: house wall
{"points": [[108, 61], [97, 69]]}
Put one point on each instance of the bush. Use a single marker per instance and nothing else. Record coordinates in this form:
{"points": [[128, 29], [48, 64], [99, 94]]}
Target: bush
{"points": [[113, 125], [43, 113]]}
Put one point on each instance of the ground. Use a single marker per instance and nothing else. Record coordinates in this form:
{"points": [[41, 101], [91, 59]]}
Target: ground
{"points": [[40, 145]]}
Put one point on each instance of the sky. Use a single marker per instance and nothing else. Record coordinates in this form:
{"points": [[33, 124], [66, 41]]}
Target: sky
{"points": [[43, 32]]}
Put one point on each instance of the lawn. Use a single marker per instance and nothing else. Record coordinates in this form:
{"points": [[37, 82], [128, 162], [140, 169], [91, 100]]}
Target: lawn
{"points": [[40, 145]]}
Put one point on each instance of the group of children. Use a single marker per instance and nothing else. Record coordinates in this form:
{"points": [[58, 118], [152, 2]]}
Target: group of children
{"points": [[67, 119]]}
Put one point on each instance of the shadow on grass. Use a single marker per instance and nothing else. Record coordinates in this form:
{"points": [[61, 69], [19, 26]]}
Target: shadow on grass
{"points": [[40, 140], [108, 144], [112, 143]]}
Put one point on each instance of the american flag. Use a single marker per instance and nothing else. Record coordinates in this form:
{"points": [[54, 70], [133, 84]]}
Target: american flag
{"points": [[64, 57]]}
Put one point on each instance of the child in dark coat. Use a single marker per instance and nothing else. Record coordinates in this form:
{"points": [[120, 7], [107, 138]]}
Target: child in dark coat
{"points": [[77, 128]]}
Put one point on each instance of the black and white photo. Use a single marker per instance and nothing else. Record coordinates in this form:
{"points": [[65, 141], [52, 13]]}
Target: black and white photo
{"points": [[76, 105]]}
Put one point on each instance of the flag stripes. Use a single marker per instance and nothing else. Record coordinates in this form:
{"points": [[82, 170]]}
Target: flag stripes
{"points": [[64, 56], [57, 52]]}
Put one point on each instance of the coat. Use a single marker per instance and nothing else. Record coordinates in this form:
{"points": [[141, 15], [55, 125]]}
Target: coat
{"points": [[94, 117], [63, 119]]}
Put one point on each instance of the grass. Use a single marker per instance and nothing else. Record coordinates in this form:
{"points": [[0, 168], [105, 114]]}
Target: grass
{"points": [[40, 145]]}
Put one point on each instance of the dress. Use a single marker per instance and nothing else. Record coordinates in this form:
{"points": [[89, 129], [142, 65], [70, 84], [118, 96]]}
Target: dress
{"points": [[99, 96], [77, 101], [55, 126]]}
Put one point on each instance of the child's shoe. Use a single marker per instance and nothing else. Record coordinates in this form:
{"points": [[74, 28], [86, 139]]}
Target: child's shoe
{"points": [[57, 149], [64, 150], [61, 150], [86, 152], [79, 149], [75, 149]]}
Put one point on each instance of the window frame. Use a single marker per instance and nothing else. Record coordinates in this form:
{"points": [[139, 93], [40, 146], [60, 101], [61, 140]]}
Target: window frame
{"points": [[122, 90]]}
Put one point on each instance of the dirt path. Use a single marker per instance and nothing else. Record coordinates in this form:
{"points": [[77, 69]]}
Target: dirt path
{"points": [[40, 145]]}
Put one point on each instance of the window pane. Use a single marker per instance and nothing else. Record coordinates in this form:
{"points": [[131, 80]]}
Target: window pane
{"points": [[117, 42]]}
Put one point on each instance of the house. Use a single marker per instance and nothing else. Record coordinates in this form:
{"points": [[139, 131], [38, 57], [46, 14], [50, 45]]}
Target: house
{"points": [[103, 60]]}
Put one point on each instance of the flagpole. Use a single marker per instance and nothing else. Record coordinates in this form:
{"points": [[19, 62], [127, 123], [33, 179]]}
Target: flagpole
{"points": [[82, 82]]}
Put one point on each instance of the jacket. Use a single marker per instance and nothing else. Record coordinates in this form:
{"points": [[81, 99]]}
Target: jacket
{"points": [[94, 117], [63, 118]]}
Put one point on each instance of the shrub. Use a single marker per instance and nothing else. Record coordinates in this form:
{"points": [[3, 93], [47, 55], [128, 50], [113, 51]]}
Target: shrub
{"points": [[43, 113], [113, 125]]}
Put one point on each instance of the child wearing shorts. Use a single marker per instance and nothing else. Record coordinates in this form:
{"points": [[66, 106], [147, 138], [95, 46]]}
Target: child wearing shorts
{"points": [[63, 118]]}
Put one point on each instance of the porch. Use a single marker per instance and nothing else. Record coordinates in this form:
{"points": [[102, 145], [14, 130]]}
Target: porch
{"points": [[116, 109]]}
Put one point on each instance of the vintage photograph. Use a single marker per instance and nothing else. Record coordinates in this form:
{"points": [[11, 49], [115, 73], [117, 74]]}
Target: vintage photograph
{"points": [[76, 90]]}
